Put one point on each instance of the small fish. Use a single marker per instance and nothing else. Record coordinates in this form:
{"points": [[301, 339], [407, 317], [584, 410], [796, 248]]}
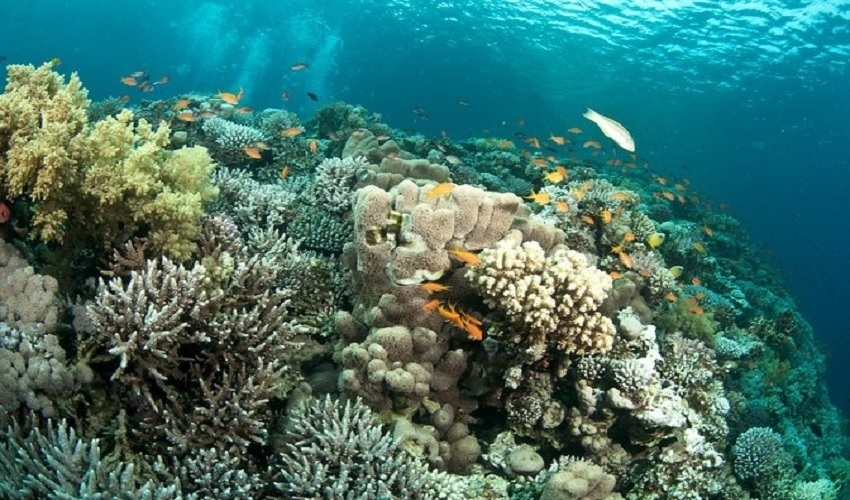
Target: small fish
{"points": [[432, 304], [5, 213], [671, 297], [556, 176], [655, 239], [506, 144], [557, 139], [592, 144], [533, 142], [284, 172], [432, 287], [244, 110], [442, 189], [312, 96], [615, 274], [575, 130], [139, 74], [698, 310], [539, 198], [629, 236], [696, 281], [124, 99], [229, 97], [588, 220], [668, 195], [129, 80], [55, 61], [676, 271], [461, 102], [612, 129], [285, 95], [561, 206], [626, 259], [313, 145], [708, 231], [186, 116], [299, 66], [207, 114], [453, 160], [540, 162], [163, 80], [292, 132], [182, 103], [146, 87], [699, 247], [252, 152], [466, 256], [606, 216]]}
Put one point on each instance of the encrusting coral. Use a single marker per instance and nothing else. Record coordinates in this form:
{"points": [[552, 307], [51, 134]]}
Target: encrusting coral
{"points": [[104, 181]]}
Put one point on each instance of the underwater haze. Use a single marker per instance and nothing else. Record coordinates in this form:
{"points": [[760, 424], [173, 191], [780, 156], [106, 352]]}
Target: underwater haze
{"points": [[749, 101]]}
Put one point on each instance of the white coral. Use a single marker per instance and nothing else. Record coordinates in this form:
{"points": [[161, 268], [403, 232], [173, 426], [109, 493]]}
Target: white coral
{"points": [[554, 298]]}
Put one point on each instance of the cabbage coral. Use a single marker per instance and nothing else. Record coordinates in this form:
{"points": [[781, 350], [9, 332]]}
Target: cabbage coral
{"points": [[103, 182]]}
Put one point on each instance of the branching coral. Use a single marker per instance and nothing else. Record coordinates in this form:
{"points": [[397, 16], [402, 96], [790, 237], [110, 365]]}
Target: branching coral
{"points": [[227, 140], [551, 301], [337, 450], [198, 358]]}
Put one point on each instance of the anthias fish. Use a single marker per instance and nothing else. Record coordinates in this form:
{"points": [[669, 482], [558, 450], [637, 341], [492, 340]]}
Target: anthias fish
{"points": [[612, 129]]}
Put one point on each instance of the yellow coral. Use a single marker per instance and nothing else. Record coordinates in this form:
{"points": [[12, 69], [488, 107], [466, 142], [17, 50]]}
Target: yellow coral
{"points": [[104, 182]]}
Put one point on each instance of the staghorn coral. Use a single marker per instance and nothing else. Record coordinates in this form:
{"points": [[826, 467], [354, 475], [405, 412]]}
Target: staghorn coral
{"points": [[251, 203], [59, 465], [198, 360], [337, 450], [550, 301], [226, 140], [335, 180]]}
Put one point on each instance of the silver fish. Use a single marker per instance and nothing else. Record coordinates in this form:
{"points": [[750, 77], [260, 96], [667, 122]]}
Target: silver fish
{"points": [[612, 130]]}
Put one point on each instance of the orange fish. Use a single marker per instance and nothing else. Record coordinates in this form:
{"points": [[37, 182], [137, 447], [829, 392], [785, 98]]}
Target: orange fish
{"points": [[668, 195], [696, 281], [466, 256], [557, 139], [539, 198], [626, 260], [432, 304], [557, 176], [680, 187], [313, 145], [561, 206], [707, 230], [244, 110], [698, 310], [181, 104], [629, 236], [533, 142], [186, 116], [606, 216], [252, 152], [5, 213], [292, 132], [229, 97], [129, 80], [671, 297], [299, 66], [284, 173], [506, 144], [588, 220], [540, 162], [442, 189], [660, 180], [615, 274]]}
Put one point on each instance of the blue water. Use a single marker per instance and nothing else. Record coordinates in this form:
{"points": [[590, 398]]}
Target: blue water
{"points": [[749, 100]]}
